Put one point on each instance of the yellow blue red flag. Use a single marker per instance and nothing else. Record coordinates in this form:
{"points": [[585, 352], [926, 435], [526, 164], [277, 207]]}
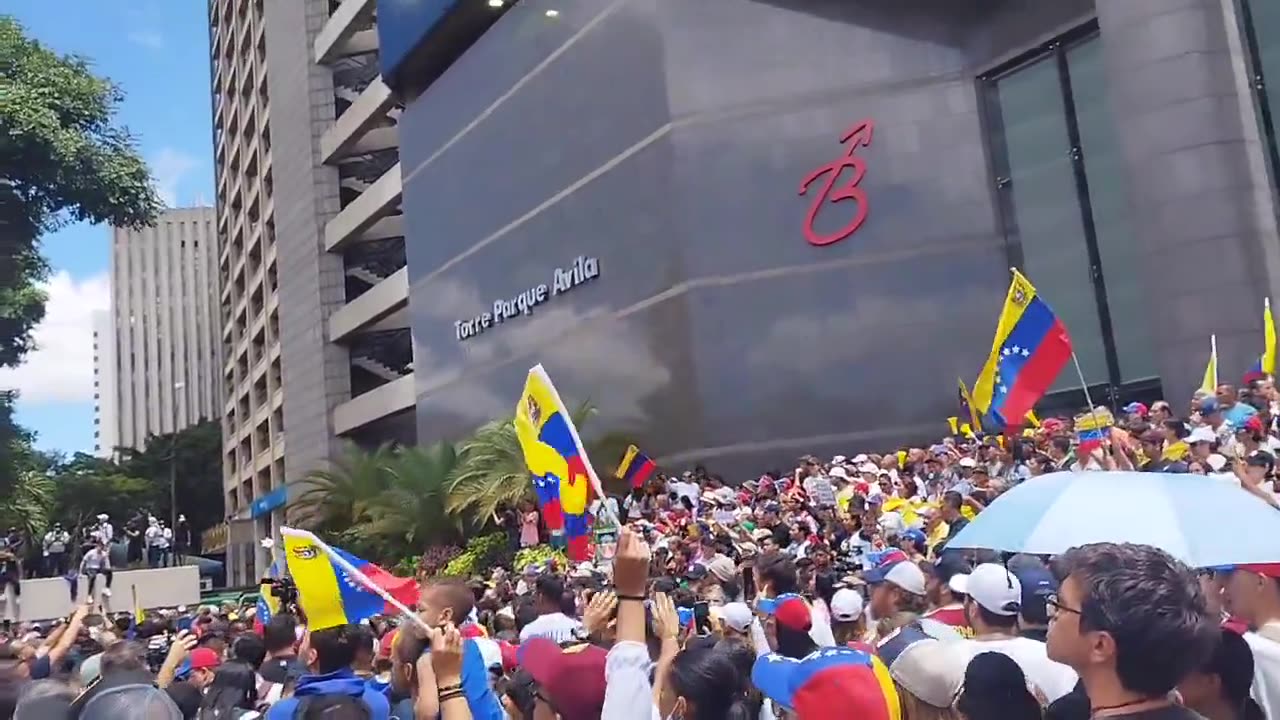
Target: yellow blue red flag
{"points": [[636, 468], [563, 477], [1031, 347], [329, 592]]}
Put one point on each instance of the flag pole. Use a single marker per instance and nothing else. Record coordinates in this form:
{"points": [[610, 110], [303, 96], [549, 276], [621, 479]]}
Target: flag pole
{"points": [[1093, 412]]}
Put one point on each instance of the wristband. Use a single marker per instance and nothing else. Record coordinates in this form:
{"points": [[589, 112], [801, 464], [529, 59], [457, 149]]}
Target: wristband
{"points": [[449, 688], [632, 598], [452, 695]]}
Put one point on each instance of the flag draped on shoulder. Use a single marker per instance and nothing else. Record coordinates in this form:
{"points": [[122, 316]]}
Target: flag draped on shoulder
{"points": [[636, 468], [563, 477], [331, 583], [1030, 348]]}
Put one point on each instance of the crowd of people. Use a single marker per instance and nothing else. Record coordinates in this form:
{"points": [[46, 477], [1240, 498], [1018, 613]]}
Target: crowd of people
{"points": [[821, 592]]}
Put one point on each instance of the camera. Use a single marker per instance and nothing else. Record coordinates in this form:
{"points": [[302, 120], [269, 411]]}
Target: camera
{"points": [[284, 590]]}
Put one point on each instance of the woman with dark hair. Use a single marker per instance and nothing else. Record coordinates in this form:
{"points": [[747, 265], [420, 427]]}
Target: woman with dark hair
{"points": [[824, 589], [996, 689], [233, 694], [705, 684], [1219, 689]]}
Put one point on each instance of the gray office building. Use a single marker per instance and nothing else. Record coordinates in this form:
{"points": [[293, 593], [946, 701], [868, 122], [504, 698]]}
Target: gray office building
{"points": [[313, 287], [802, 213], [157, 354]]}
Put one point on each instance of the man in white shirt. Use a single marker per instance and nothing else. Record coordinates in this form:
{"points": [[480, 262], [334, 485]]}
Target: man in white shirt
{"points": [[165, 543], [1252, 594], [993, 597], [104, 533], [56, 542], [551, 622], [152, 538]]}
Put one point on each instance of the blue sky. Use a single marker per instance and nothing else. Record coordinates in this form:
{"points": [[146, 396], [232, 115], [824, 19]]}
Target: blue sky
{"points": [[158, 52]]}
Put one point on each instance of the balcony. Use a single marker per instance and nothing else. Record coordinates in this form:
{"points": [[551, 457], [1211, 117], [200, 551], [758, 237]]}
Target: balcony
{"points": [[379, 200], [376, 303], [368, 108], [349, 18], [369, 263], [388, 399]]}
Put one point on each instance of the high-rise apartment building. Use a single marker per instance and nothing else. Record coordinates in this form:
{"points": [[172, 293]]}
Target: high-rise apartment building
{"points": [[106, 427], [314, 288], [157, 355]]}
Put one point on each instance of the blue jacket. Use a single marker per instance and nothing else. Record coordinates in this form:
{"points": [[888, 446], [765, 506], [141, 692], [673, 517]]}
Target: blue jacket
{"points": [[341, 682]]}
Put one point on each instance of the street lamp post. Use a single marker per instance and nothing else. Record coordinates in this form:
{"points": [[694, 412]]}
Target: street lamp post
{"points": [[173, 469]]}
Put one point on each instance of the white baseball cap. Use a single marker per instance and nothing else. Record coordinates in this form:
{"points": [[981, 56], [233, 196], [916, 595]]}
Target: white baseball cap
{"points": [[903, 573], [1216, 462], [860, 458], [932, 670], [1203, 433], [968, 462], [737, 616], [838, 472], [993, 587], [837, 459], [846, 605]]}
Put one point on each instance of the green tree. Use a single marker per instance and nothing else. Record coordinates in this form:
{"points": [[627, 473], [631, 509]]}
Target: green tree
{"points": [[196, 452], [84, 486], [331, 498], [409, 513], [62, 159]]}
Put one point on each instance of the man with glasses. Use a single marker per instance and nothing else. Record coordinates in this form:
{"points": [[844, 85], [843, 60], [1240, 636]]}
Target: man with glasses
{"points": [[993, 599], [1131, 621]]}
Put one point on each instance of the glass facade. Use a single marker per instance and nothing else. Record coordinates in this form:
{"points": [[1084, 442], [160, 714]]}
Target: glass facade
{"points": [[1065, 210], [1261, 27]]}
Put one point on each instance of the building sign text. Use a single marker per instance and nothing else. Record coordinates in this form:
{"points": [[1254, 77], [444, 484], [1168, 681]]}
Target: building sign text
{"points": [[581, 271]]}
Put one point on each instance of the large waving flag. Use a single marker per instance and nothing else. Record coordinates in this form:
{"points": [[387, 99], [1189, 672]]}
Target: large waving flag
{"points": [[636, 467], [1031, 347], [967, 410], [562, 474], [1209, 384], [1266, 364], [338, 588]]}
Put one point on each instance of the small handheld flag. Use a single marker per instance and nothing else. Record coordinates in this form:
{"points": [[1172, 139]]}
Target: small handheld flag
{"points": [[636, 467]]}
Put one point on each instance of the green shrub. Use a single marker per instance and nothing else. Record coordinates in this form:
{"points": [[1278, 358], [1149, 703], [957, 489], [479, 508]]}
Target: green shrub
{"points": [[539, 555], [480, 555]]}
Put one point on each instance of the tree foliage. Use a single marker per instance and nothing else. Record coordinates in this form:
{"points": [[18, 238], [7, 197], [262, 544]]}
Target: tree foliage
{"points": [[62, 159], [391, 502]]}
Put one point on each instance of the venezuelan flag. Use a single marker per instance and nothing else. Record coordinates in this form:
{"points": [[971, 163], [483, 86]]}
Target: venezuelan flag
{"points": [[1266, 364], [562, 474], [329, 592], [1209, 384], [636, 467], [967, 411], [1031, 347]]}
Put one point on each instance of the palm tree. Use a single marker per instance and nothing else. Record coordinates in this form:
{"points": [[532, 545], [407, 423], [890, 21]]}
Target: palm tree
{"points": [[28, 504], [491, 469], [410, 512], [332, 499]]}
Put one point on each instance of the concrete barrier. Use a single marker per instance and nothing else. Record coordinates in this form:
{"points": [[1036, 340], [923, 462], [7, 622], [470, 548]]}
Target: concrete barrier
{"points": [[48, 598]]}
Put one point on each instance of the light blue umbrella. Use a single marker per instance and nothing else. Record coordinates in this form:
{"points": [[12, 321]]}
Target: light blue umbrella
{"points": [[1204, 521]]}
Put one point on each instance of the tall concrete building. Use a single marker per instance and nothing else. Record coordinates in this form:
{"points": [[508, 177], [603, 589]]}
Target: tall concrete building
{"points": [[312, 267], [158, 362], [106, 419]]}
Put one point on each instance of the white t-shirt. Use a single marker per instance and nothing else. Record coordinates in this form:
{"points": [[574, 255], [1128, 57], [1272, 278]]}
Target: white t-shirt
{"points": [[1266, 667], [1051, 678], [557, 627]]}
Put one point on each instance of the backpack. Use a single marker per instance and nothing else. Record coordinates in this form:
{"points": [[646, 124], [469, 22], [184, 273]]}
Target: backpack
{"points": [[332, 707]]}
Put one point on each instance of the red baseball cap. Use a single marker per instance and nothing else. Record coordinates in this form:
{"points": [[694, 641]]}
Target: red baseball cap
{"points": [[572, 678], [387, 644], [203, 659]]}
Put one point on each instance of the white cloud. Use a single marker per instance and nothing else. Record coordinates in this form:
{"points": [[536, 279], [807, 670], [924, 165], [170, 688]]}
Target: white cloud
{"points": [[168, 168], [60, 369], [149, 39]]}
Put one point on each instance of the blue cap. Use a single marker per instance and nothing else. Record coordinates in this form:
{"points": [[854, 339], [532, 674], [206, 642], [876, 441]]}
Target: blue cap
{"points": [[915, 535], [1208, 405]]}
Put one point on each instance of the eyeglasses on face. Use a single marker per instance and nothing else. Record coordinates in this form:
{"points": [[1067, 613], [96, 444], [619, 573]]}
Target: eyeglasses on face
{"points": [[1053, 604]]}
